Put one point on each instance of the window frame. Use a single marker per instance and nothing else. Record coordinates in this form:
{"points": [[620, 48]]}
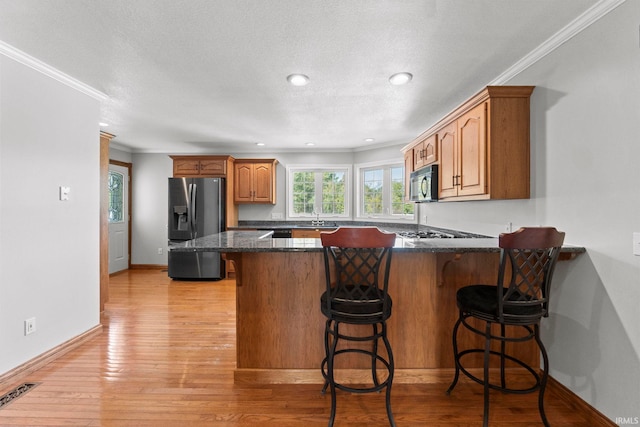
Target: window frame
{"points": [[386, 165], [319, 168]]}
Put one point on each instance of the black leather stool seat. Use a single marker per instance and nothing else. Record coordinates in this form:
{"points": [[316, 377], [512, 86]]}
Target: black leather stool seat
{"points": [[346, 309], [483, 300]]}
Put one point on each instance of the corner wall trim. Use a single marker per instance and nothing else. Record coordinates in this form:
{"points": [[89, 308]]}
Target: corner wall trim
{"points": [[594, 417], [148, 267], [51, 355]]}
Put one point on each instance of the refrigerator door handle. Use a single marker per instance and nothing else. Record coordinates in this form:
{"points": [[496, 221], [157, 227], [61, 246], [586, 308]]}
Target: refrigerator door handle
{"points": [[193, 213], [189, 210]]}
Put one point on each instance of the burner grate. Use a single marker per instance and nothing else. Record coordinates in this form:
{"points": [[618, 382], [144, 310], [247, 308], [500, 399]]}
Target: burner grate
{"points": [[16, 393], [426, 235]]}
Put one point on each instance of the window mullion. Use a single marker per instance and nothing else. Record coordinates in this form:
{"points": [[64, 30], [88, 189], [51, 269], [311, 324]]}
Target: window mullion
{"points": [[318, 185], [386, 190]]}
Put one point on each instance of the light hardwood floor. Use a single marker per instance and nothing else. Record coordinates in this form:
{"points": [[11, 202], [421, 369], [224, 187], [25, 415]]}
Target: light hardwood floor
{"points": [[166, 358]]}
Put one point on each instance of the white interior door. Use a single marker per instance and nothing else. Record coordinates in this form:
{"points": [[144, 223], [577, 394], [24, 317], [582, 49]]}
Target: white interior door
{"points": [[118, 215]]}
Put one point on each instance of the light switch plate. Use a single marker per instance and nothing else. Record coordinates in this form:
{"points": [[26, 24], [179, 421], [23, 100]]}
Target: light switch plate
{"points": [[636, 243]]}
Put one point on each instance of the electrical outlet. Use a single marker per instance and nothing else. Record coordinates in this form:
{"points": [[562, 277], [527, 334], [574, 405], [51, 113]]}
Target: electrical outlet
{"points": [[159, 251], [636, 243], [508, 228], [30, 326], [64, 193], [276, 215]]}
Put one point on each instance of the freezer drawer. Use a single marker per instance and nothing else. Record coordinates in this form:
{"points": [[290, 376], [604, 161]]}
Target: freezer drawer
{"points": [[195, 265]]}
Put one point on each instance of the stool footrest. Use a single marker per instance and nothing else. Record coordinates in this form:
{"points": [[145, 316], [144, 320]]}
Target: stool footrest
{"points": [[377, 385], [502, 388]]}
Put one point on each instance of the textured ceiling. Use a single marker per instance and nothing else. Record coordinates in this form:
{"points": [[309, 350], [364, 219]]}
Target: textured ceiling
{"points": [[190, 76]]}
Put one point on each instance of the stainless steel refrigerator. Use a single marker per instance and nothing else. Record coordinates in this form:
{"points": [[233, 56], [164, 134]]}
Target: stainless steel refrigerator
{"points": [[196, 209]]}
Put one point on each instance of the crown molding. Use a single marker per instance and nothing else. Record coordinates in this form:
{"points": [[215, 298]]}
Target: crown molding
{"points": [[583, 21], [31, 62]]}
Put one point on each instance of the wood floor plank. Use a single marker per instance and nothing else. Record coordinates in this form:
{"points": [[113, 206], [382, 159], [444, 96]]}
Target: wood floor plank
{"points": [[166, 358]]}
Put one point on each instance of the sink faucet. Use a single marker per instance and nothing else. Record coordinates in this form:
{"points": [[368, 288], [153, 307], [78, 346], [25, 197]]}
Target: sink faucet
{"points": [[317, 221]]}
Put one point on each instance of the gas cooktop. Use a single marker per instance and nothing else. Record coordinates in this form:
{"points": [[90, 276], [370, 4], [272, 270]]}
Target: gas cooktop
{"points": [[431, 234]]}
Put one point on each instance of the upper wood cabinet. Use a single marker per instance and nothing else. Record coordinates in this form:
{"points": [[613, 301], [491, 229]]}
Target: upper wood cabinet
{"points": [[425, 152], [483, 146], [255, 181], [200, 166], [210, 167], [463, 149], [447, 170], [408, 168]]}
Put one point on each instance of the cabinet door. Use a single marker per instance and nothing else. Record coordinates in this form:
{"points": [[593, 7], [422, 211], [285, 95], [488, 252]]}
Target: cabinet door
{"points": [[262, 183], [430, 150], [448, 165], [418, 156], [472, 152], [242, 183], [187, 167], [408, 168], [213, 167]]}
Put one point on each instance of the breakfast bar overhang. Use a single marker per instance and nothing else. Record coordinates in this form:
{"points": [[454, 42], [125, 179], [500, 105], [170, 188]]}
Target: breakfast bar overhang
{"points": [[279, 326]]}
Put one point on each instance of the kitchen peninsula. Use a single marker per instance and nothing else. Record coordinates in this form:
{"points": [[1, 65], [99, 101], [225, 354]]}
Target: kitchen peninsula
{"points": [[280, 326]]}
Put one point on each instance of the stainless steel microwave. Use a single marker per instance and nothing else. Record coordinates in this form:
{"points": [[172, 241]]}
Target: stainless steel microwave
{"points": [[424, 184]]}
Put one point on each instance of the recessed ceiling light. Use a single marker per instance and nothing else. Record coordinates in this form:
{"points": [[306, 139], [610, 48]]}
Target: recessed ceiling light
{"points": [[298, 79], [310, 144], [400, 78], [102, 124], [260, 144], [369, 140]]}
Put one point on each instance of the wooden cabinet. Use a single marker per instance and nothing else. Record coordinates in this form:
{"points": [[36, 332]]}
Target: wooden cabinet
{"points": [[308, 233], [196, 166], [425, 152], [482, 147], [255, 181], [463, 155], [408, 168], [210, 167], [422, 153], [447, 170]]}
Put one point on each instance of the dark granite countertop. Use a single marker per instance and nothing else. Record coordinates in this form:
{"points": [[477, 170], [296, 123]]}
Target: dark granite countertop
{"points": [[391, 227], [261, 241]]}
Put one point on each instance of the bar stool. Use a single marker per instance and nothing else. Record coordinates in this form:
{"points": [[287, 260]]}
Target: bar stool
{"points": [[357, 262], [521, 298]]}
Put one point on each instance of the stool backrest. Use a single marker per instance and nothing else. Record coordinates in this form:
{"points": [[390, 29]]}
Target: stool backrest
{"points": [[357, 261], [527, 261]]}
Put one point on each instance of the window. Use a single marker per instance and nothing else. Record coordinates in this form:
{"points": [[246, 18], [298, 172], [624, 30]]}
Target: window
{"points": [[116, 197], [318, 191], [381, 192]]}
